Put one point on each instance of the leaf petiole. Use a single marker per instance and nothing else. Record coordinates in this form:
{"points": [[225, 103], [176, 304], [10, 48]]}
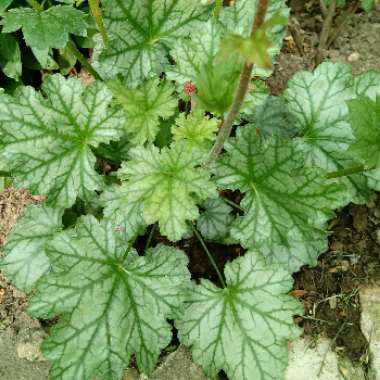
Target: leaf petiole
{"points": [[348, 171], [209, 255], [82, 59]]}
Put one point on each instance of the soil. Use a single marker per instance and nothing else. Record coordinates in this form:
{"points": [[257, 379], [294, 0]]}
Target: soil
{"points": [[329, 292]]}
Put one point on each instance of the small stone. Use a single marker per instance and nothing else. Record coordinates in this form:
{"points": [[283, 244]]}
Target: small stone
{"points": [[353, 57], [370, 323]]}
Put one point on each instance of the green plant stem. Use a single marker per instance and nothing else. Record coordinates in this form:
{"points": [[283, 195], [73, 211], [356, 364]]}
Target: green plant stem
{"points": [[82, 59], [35, 5], [218, 8], [150, 237], [209, 255], [245, 79], [130, 245], [233, 204], [348, 171], [97, 13]]}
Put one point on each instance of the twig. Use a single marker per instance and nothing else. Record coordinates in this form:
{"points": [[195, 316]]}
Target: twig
{"points": [[333, 36], [325, 32], [323, 8], [342, 326], [294, 30], [245, 79]]}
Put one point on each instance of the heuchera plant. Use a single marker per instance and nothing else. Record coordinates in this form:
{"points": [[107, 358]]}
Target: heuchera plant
{"points": [[171, 80]]}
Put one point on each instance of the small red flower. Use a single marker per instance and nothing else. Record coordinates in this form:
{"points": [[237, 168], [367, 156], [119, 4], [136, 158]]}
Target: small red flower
{"points": [[189, 88]]}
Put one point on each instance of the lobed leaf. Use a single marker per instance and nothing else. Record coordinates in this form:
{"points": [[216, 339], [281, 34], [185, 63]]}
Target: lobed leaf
{"points": [[214, 222], [317, 101], [47, 29], [285, 203], [140, 33], [244, 328], [47, 140], [110, 307], [169, 184], [197, 130], [364, 116], [144, 107], [25, 261]]}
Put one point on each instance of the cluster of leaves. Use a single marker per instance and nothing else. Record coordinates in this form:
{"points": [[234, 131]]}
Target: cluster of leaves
{"points": [[297, 158]]}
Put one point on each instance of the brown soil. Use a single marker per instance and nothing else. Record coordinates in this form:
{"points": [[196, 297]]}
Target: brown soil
{"points": [[329, 292]]}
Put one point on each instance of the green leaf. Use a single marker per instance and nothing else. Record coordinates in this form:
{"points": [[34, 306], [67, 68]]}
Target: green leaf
{"points": [[4, 5], [318, 103], [214, 222], [124, 212], [25, 260], [10, 56], [196, 61], [169, 184], [238, 19], [196, 129], [47, 29], [285, 203], [244, 328], [367, 5], [254, 49], [365, 122], [144, 106], [140, 33], [110, 307], [271, 118], [47, 140]]}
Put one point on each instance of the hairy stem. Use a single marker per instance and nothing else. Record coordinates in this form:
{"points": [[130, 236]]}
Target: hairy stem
{"points": [[325, 32], [209, 255], [97, 13], [245, 79], [82, 59]]}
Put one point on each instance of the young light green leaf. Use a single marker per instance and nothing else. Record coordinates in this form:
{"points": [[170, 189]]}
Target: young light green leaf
{"points": [[196, 129], [284, 201], [244, 328], [254, 49], [46, 29], [169, 184], [141, 31], [238, 19], [318, 103], [10, 56], [196, 61], [25, 260], [365, 121], [110, 307], [214, 222], [47, 140], [144, 106]]}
